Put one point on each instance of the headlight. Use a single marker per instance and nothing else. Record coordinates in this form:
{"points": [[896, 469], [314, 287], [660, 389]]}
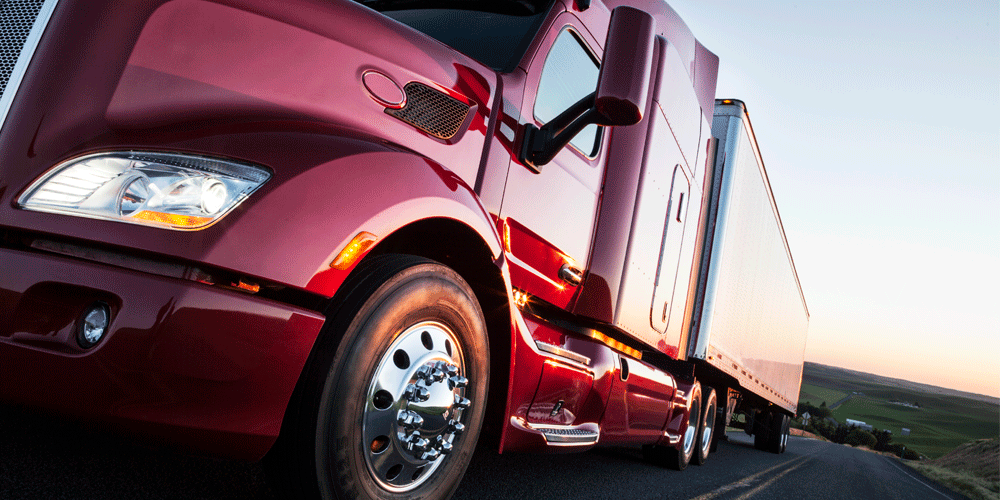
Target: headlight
{"points": [[175, 191]]}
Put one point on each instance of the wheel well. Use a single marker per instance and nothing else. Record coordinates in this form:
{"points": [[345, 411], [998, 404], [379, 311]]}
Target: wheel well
{"points": [[459, 247]]}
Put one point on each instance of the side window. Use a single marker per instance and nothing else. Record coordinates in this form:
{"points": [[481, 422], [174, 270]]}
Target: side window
{"points": [[570, 73]]}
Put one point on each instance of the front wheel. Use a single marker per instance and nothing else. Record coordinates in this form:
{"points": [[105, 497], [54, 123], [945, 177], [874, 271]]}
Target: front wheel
{"points": [[396, 413]]}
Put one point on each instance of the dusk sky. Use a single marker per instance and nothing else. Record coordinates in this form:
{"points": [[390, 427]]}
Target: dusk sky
{"points": [[878, 125]]}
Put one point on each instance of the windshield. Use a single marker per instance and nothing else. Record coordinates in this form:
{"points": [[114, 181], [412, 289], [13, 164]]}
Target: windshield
{"points": [[495, 33]]}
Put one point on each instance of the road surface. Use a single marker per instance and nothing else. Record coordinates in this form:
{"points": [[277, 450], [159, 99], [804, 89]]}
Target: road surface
{"points": [[48, 458]]}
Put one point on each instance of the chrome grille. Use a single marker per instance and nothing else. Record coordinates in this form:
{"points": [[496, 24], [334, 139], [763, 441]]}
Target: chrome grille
{"points": [[21, 25], [16, 19]]}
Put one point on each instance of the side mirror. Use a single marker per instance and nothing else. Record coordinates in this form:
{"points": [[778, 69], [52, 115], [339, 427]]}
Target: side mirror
{"points": [[622, 89], [623, 85]]}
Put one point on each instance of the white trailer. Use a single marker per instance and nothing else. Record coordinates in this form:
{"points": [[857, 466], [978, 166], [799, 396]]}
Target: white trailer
{"points": [[749, 327]]}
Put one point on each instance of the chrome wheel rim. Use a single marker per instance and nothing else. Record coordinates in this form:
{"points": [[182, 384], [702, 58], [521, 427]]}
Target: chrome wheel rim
{"points": [[692, 430], [706, 436], [414, 407]]}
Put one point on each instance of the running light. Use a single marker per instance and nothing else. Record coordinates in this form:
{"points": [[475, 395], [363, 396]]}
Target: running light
{"points": [[174, 191]]}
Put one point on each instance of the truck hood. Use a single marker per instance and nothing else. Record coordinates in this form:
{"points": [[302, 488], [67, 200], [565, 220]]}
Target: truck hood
{"points": [[346, 66]]}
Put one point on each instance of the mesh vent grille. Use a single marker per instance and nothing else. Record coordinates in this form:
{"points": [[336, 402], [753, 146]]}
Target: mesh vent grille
{"points": [[16, 19], [433, 112]]}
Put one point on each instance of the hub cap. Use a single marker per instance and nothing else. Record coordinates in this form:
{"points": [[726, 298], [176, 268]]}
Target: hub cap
{"points": [[415, 406]]}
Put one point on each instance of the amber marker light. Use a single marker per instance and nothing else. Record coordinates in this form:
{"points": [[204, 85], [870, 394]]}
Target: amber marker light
{"points": [[616, 345], [175, 220], [506, 236], [349, 255], [520, 298], [249, 287]]}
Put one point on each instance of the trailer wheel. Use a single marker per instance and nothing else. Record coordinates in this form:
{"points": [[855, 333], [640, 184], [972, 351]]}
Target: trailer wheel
{"points": [[706, 427], [679, 456], [780, 424], [397, 410], [761, 430]]}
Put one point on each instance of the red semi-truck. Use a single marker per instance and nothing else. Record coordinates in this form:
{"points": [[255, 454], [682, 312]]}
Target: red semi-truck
{"points": [[356, 239]]}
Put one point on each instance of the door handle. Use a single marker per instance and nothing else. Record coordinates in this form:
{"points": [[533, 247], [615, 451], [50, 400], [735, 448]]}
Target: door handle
{"points": [[571, 275]]}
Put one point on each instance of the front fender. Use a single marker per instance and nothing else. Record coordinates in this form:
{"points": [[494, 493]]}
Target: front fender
{"points": [[293, 233]]}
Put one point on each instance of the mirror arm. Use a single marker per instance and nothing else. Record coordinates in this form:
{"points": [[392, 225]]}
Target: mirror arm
{"points": [[541, 145]]}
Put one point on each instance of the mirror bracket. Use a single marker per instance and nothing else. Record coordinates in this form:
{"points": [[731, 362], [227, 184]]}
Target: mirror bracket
{"points": [[540, 145]]}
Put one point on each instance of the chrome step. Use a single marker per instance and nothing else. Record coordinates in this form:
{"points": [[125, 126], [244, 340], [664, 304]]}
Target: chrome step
{"points": [[566, 435]]}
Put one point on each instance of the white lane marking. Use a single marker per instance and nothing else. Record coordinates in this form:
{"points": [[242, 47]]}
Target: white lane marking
{"points": [[915, 479], [748, 481], [767, 483]]}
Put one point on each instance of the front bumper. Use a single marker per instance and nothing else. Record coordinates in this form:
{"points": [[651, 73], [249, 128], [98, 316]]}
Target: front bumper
{"points": [[192, 366]]}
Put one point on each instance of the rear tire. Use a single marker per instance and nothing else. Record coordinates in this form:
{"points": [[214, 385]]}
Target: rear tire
{"points": [[706, 427], [778, 436], [395, 410], [761, 430], [679, 456]]}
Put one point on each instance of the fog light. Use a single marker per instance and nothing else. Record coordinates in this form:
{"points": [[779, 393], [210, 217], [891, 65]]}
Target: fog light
{"points": [[93, 325]]}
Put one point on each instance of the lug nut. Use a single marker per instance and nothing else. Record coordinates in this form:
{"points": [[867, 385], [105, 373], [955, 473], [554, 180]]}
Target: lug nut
{"points": [[443, 445], [430, 455], [462, 402], [416, 393], [416, 443], [452, 369], [456, 381], [440, 371], [455, 427], [423, 373], [409, 420]]}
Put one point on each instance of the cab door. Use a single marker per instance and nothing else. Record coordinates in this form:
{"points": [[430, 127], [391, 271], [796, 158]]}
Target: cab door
{"points": [[549, 215], [668, 298]]}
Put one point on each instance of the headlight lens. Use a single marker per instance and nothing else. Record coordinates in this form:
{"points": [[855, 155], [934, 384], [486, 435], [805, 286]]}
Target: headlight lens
{"points": [[174, 191]]}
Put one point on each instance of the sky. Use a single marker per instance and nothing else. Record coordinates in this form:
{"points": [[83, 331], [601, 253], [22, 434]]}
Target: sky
{"points": [[879, 126]]}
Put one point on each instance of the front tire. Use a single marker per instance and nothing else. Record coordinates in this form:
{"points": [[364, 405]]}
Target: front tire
{"points": [[396, 412]]}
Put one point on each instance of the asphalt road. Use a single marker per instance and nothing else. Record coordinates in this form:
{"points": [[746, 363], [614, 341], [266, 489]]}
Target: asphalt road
{"points": [[48, 458]]}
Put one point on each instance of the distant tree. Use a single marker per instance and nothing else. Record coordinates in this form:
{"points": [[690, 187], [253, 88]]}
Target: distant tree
{"points": [[860, 437], [840, 434], [814, 412], [883, 439]]}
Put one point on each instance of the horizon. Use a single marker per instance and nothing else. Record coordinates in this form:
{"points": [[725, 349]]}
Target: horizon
{"points": [[904, 380], [876, 125]]}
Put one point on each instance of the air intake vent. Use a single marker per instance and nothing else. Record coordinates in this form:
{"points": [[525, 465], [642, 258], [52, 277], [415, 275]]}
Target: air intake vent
{"points": [[19, 36], [432, 111]]}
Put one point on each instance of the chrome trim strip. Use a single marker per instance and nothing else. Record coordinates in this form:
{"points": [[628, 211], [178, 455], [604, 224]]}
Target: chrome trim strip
{"points": [[559, 351], [27, 52]]}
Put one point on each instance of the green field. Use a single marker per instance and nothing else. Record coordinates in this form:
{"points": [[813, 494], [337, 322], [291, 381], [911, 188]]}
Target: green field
{"points": [[818, 395], [943, 421]]}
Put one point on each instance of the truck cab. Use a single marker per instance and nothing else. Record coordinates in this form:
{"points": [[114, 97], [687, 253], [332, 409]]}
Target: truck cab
{"points": [[349, 238]]}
